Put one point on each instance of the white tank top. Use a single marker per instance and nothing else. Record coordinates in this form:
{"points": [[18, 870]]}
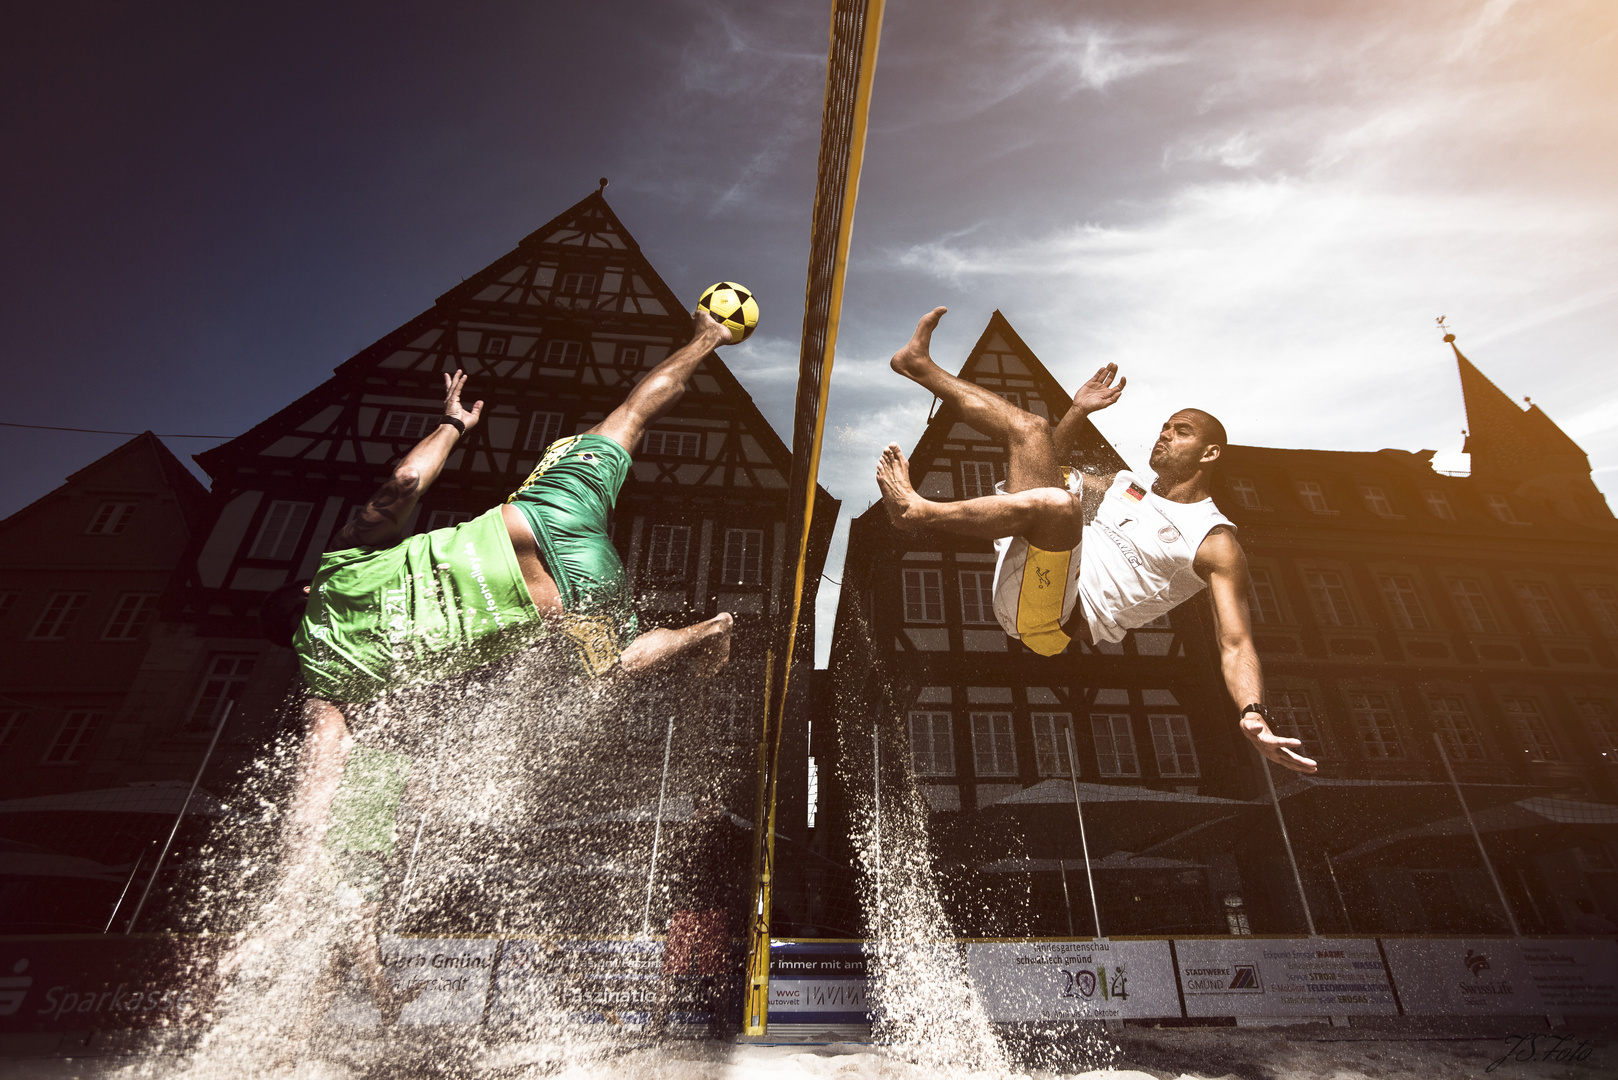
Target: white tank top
{"points": [[1135, 562]]}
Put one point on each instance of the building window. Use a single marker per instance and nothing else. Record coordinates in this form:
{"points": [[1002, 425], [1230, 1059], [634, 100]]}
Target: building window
{"points": [[993, 750], [10, 725], [564, 354], [1532, 731], [629, 356], [1313, 496], [977, 597], [408, 425], [670, 550], [1263, 599], [544, 428], [1246, 492], [1404, 603], [1012, 396], [72, 742], [978, 478], [1602, 600], [130, 617], [110, 518], [1597, 715], [578, 285], [224, 683], [924, 596], [278, 536], [744, 556], [1115, 744], [932, 745], [1329, 594], [1455, 728], [1473, 604], [1171, 739], [672, 444], [1292, 716], [1050, 743], [1376, 501], [1543, 618], [1438, 505], [496, 344], [61, 611], [447, 519], [1373, 719], [1500, 507]]}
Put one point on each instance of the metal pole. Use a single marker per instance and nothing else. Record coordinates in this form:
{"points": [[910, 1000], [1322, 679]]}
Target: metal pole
{"points": [[128, 882], [1067, 901], [1339, 890], [876, 785], [657, 833], [1286, 840], [1084, 842], [1488, 864], [178, 818]]}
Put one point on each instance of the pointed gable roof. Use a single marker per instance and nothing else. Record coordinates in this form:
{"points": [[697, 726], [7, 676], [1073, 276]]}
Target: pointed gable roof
{"points": [[1509, 443], [1000, 361], [145, 453]]}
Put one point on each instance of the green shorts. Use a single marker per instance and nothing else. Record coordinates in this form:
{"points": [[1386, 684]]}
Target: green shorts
{"points": [[568, 500]]}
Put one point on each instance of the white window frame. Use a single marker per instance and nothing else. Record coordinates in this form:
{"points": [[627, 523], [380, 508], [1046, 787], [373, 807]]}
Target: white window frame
{"points": [[994, 744], [408, 424], [1264, 597], [280, 533], [1599, 718], [1533, 732], [932, 742], [1376, 726], [62, 611], [225, 679], [1377, 501], [578, 284], [744, 557], [1312, 494], [923, 595], [544, 428], [669, 545], [664, 442], [1171, 741], [1500, 507], [1115, 744], [110, 518], [1453, 722], [1544, 617], [1472, 601], [1330, 596], [1403, 601], [130, 617], [496, 344], [71, 743], [1246, 492], [973, 474], [1292, 715], [1438, 504], [560, 353], [1050, 743], [977, 598], [631, 356]]}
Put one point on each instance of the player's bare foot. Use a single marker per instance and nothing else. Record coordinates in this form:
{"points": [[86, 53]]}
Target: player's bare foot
{"points": [[714, 653], [914, 359], [703, 324], [898, 497]]}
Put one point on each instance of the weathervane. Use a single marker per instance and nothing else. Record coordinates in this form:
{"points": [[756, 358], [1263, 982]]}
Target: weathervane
{"points": [[1442, 325]]}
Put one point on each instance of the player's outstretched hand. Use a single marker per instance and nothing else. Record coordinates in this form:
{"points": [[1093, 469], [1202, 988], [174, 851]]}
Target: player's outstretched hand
{"points": [[1273, 746], [1099, 392], [703, 323], [452, 400]]}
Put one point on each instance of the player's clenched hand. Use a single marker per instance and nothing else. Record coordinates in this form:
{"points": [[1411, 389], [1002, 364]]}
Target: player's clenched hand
{"points": [[1099, 392], [1273, 746], [452, 401]]}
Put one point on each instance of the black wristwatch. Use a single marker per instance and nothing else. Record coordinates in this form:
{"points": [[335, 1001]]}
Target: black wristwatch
{"points": [[442, 420], [1256, 708]]}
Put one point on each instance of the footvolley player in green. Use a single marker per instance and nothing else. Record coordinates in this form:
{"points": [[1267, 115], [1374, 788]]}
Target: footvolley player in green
{"points": [[386, 612]]}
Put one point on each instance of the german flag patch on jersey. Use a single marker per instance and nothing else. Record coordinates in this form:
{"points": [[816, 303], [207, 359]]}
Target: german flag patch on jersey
{"points": [[1134, 493]]}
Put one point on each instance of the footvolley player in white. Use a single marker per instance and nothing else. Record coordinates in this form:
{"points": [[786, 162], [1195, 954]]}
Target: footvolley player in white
{"points": [[1094, 556]]}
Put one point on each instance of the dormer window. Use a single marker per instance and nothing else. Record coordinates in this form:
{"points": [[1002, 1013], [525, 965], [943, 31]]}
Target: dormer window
{"points": [[1500, 507], [1376, 501], [1313, 496], [1246, 493], [1438, 505]]}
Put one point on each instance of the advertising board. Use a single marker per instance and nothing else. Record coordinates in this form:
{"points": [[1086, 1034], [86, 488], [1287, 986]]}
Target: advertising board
{"points": [[80, 983], [1504, 976], [817, 983], [1061, 980], [1253, 976], [450, 977]]}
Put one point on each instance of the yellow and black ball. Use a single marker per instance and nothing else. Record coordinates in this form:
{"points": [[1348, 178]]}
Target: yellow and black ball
{"points": [[733, 305]]}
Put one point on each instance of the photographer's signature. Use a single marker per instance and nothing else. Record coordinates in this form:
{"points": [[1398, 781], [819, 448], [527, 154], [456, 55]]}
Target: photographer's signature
{"points": [[1543, 1047]]}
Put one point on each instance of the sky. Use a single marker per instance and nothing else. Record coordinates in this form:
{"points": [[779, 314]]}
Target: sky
{"points": [[1256, 207]]}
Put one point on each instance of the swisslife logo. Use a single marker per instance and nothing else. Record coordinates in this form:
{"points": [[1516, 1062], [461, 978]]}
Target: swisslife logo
{"points": [[1223, 979]]}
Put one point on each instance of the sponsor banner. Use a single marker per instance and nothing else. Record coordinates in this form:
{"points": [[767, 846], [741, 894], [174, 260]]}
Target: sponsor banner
{"points": [[74, 983], [449, 976], [1061, 980], [818, 983], [1504, 976], [583, 982], [1250, 976]]}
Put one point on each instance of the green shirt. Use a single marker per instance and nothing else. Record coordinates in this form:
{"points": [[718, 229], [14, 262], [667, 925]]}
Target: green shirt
{"points": [[433, 605]]}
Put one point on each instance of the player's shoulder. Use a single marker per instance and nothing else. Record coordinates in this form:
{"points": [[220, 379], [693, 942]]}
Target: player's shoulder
{"points": [[1220, 550]]}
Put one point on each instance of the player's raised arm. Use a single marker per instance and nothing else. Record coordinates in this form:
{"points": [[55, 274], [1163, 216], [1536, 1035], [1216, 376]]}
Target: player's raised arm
{"points": [[1097, 393], [1222, 563], [378, 524]]}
